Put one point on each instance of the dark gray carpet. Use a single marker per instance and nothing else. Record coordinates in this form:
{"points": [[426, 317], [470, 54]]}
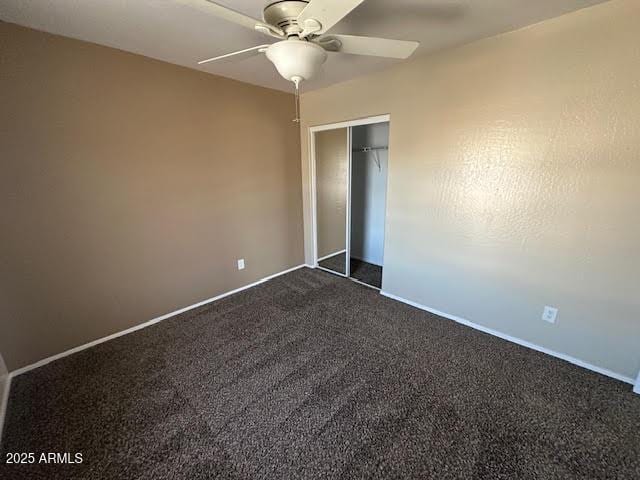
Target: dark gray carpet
{"points": [[366, 272], [360, 270], [312, 376]]}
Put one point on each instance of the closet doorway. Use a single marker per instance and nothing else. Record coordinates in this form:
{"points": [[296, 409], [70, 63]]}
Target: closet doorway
{"points": [[349, 165], [369, 166]]}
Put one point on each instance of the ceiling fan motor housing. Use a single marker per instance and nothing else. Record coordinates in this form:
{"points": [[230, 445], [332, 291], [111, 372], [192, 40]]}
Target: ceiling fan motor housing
{"points": [[284, 14], [296, 60]]}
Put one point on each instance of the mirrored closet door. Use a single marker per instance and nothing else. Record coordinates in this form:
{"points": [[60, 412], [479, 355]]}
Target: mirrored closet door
{"points": [[332, 190]]}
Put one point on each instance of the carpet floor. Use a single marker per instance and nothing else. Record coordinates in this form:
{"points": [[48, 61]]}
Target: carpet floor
{"points": [[360, 270], [312, 376], [366, 272]]}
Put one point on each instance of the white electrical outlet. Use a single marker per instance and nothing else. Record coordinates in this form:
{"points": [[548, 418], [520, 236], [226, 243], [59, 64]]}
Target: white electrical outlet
{"points": [[549, 314], [241, 264]]}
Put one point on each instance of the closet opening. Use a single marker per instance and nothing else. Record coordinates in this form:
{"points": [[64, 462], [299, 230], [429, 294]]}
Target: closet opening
{"points": [[369, 167]]}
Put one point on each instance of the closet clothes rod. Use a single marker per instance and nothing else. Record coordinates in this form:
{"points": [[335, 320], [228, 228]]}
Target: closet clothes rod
{"points": [[375, 153], [369, 149]]}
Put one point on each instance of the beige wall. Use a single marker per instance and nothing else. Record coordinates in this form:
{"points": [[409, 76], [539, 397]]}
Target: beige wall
{"points": [[332, 173], [129, 189], [514, 180]]}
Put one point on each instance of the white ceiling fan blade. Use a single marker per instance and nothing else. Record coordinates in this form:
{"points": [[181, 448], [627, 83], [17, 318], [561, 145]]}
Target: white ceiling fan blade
{"points": [[230, 15], [326, 13], [377, 47], [247, 52]]}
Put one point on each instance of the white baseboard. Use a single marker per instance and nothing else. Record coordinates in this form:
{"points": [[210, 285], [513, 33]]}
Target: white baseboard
{"points": [[332, 255], [47, 360], [636, 388], [524, 343], [5, 385]]}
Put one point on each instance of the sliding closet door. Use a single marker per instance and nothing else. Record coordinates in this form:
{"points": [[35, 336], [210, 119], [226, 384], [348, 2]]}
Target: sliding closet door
{"points": [[332, 185]]}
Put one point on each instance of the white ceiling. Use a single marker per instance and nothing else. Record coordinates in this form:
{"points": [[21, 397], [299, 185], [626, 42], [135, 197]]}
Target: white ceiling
{"points": [[182, 32]]}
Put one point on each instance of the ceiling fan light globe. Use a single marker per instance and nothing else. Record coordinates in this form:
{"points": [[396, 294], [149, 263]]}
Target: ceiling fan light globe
{"points": [[297, 58]]}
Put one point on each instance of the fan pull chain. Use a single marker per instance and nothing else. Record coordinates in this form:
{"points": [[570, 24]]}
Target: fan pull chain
{"points": [[297, 119], [296, 81]]}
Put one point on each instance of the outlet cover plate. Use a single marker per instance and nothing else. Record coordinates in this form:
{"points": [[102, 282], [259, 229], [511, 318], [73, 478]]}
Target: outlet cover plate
{"points": [[550, 314]]}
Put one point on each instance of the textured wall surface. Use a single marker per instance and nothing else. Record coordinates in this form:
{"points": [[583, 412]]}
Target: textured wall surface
{"points": [[129, 189], [514, 180], [332, 172]]}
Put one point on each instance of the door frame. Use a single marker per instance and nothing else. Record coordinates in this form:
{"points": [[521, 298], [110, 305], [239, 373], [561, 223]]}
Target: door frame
{"points": [[312, 180]]}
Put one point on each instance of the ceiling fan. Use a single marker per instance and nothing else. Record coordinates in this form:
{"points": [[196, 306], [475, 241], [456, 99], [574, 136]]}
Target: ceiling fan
{"points": [[301, 26]]}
